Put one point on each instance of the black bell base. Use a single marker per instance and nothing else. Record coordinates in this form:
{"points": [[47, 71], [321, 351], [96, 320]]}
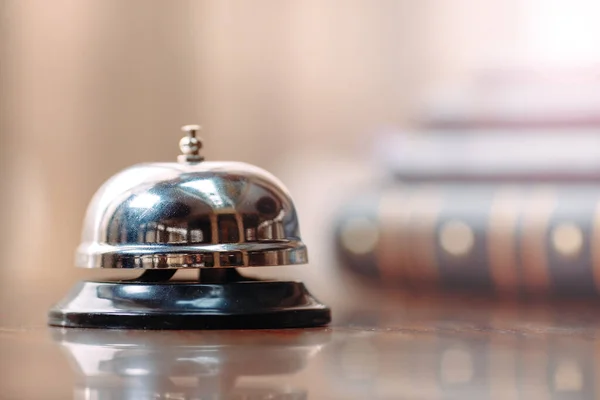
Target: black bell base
{"points": [[189, 305]]}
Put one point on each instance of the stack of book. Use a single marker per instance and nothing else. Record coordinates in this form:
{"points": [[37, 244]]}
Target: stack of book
{"points": [[509, 211]]}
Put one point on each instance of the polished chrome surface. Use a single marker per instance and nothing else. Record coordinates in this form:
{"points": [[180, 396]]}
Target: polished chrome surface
{"points": [[191, 215]]}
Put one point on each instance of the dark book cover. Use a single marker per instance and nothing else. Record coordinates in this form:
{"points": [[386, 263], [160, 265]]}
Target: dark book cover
{"points": [[481, 217]]}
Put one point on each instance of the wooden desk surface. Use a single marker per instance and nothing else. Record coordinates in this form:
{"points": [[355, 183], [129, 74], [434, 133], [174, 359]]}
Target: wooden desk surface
{"points": [[400, 346]]}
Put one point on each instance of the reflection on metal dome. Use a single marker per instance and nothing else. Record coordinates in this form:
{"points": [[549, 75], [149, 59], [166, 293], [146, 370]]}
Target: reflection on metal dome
{"points": [[197, 215]]}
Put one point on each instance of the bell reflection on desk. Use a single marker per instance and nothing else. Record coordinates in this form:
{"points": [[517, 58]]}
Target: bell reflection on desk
{"points": [[156, 365]]}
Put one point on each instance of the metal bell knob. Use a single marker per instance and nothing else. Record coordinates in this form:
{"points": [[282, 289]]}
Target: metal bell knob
{"points": [[190, 145]]}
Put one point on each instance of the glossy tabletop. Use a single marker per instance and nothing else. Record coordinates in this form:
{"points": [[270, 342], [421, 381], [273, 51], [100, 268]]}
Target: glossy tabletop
{"points": [[394, 346]]}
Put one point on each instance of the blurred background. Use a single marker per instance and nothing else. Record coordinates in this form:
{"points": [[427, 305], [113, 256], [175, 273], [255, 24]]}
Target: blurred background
{"points": [[343, 100]]}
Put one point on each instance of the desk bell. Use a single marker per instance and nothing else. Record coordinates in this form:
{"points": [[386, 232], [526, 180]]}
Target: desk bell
{"points": [[213, 217]]}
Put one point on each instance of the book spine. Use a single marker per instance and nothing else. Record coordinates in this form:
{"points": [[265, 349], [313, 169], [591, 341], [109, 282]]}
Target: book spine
{"points": [[509, 238]]}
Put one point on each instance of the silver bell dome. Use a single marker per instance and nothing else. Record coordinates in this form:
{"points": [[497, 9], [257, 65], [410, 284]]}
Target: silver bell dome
{"points": [[191, 214]]}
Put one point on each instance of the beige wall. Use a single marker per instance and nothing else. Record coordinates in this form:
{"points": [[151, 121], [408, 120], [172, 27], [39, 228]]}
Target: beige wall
{"points": [[298, 87]]}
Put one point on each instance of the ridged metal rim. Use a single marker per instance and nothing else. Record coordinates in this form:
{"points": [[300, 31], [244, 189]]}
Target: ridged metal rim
{"points": [[234, 255]]}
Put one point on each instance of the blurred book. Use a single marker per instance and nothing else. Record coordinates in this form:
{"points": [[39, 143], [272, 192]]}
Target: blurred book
{"points": [[511, 212], [533, 97], [492, 155]]}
